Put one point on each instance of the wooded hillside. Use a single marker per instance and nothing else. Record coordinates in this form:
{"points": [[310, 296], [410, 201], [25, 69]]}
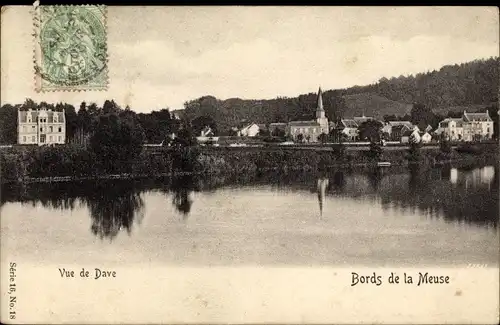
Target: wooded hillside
{"points": [[472, 86]]}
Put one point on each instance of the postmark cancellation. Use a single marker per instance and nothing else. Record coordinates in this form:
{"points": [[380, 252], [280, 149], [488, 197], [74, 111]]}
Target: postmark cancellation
{"points": [[70, 48]]}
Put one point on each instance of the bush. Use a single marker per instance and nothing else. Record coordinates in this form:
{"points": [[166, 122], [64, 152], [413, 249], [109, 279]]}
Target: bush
{"points": [[444, 150], [469, 148], [375, 151], [339, 150]]}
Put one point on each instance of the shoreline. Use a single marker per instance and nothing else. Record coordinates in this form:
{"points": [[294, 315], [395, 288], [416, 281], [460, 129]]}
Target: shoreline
{"points": [[480, 162]]}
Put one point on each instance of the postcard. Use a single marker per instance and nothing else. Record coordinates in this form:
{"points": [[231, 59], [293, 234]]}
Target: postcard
{"points": [[249, 165]]}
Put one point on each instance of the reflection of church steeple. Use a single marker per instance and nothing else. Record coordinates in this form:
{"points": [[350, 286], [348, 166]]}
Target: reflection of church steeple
{"points": [[322, 185]]}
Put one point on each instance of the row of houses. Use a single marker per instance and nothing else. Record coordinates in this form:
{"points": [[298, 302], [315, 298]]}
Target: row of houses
{"points": [[44, 126], [470, 127]]}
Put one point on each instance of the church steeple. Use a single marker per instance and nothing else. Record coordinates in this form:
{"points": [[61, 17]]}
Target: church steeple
{"points": [[320, 113], [320, 100]]}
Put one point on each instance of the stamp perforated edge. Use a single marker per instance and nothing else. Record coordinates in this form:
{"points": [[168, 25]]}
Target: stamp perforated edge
{"points": [[37, 55]]}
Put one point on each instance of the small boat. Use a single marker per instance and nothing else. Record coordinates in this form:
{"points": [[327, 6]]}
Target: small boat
{"points": [[384, 164]]}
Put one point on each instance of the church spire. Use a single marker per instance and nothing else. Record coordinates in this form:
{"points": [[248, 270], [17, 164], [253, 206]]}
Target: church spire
{"points": [[320, 100]]}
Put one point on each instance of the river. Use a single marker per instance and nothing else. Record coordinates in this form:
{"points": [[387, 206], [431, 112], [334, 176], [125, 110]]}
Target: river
{"points": [[385, 217]]}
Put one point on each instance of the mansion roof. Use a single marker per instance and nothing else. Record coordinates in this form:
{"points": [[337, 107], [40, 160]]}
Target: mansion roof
{"points": [[23, 116], [458, 121], [482, 117]]}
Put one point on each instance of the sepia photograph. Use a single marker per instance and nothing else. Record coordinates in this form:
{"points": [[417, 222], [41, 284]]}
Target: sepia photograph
{"points": [[241, 164]]}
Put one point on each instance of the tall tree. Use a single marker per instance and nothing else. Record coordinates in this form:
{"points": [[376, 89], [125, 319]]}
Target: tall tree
{"points": [[370, 130], [116, 141], [8, 124]]}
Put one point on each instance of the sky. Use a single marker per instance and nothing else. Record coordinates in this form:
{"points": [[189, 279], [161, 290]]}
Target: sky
{"points": [[160, 57]]}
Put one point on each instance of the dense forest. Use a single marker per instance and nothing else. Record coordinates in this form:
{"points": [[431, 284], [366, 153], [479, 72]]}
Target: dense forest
{"points": [[472, 86], [424, 99]]}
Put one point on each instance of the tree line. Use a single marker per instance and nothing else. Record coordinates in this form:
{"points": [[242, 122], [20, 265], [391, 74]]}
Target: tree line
{"points": [[444, 91], [151, 127]]}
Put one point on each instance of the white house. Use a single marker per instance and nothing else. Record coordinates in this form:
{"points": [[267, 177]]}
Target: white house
{"points": [[207, 131], [396, 129], [452, 128], [477, 126], [249, 130], [425, 137], [470, 127], [349, 128], [41, 127]]}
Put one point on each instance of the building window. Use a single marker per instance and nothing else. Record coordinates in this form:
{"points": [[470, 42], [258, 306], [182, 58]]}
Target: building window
{"points": [[51, 129], [50, 138], [60, 129], [24, 139], [59, 139], [41, 129], [33, 128], [33, 139]]}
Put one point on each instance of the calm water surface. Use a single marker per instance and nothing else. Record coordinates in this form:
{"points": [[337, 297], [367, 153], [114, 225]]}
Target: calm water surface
{"points": [[419, 217]]}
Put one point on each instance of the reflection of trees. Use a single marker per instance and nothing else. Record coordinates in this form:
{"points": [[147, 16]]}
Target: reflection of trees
{"points": [[182, 188], [339, 180], [435, 195], [374, 177], [56, 196], [113, 207]]}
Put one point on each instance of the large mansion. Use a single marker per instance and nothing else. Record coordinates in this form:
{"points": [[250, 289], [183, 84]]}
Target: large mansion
{"points": [[470, 127], [41, 127]]}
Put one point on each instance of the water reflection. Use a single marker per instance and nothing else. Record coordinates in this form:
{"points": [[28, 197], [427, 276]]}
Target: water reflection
{"points": [[456, 195], [321, 189], [469, 196], [114, 207], [181, 199]]}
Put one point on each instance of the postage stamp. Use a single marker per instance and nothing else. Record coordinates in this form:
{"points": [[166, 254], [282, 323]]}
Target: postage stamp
{"points": [[70, 48]]}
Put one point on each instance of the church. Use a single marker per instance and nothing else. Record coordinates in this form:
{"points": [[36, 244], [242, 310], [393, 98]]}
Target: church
{"points": [[309, 131]]}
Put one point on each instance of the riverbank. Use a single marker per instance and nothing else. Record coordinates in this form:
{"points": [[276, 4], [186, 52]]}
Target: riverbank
{"points": [[69, 163]]}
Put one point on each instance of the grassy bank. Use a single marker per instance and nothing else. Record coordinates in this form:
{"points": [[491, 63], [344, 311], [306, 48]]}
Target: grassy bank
{"points": [[70, 162]]}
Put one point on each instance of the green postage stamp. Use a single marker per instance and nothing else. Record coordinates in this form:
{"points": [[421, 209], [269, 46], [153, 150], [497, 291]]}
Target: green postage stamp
{"points": [[70, 48]]}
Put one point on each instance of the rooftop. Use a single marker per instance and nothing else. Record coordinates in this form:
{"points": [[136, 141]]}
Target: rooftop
{"points": [[477, 117], [394, 123], [23, 116], [348, 123], [303, 123]]}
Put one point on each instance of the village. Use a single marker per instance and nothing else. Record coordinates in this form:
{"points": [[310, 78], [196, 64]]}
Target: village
{"points": [[47, 127]]}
